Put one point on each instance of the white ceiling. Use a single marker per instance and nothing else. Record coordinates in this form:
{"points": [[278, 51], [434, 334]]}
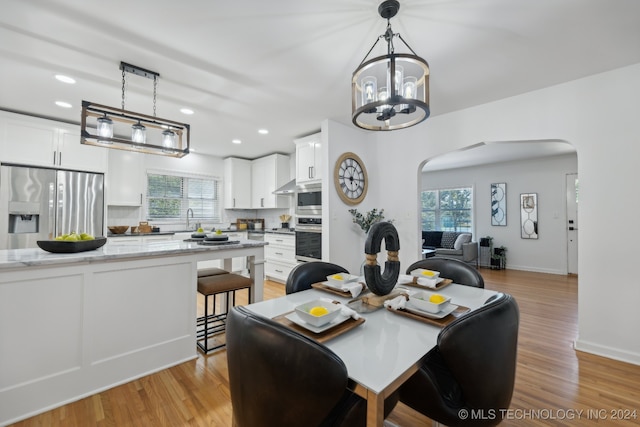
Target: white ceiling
{"points": [[286, 65]]}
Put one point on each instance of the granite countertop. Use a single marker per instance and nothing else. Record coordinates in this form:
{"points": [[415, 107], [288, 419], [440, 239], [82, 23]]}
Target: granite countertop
{"points": [[22, 258], [154, 233]]}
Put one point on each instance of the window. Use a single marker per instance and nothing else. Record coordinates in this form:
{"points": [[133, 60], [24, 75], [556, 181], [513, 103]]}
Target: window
{"points": [[170, 196], [447, 210]]}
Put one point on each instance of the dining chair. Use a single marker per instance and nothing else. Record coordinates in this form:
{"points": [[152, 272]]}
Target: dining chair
{"points": [[279, 377], [304, 275], [467, 379], [458, 271]]}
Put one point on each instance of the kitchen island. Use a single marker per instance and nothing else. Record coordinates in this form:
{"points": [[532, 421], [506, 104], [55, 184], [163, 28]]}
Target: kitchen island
{"points": [[72, 325]]}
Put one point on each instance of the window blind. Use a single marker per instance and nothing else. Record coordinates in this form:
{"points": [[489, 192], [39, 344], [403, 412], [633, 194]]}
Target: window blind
{"points": [[170, 196]]}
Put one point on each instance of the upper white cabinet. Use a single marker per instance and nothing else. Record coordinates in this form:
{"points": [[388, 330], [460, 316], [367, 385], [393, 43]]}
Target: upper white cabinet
{"points": [[267, 174], [237, 183], [125, 178], [41, 142], [308, 159]]}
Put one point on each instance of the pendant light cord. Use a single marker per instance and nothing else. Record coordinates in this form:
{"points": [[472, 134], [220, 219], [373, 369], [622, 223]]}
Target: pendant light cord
{"points": [[123, 81]]}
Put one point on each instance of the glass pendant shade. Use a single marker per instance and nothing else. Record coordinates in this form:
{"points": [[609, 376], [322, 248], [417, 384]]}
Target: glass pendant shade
{"points": [[168, 138], [138, 133], [105, 127]]}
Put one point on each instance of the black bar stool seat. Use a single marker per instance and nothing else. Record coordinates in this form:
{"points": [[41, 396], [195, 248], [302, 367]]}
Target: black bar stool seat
{"points": [[218, 282]]}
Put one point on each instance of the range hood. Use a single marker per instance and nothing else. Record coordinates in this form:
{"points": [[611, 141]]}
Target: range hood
{"points": [[288, 188]]}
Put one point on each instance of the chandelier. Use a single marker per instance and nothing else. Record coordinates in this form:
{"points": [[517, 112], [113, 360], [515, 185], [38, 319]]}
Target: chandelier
{"points": [[126, 130], [392, 91]]}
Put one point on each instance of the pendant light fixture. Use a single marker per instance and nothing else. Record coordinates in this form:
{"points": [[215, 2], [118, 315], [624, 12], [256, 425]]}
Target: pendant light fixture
{"points": [[390, 92], [127, 130]]}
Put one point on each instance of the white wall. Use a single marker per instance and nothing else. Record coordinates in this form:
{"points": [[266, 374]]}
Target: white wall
{"points": [[599, 116], [544, 176]]}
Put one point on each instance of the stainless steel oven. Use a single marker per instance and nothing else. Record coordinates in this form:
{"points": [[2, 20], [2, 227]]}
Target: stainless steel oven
{"points": [[308, 238], [309, 200]]}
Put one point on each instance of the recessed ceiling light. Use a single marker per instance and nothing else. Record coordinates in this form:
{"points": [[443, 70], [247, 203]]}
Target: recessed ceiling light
{"points": [[188, 111], [236, 141], [65, 79], [63, 104], [263, 131]]}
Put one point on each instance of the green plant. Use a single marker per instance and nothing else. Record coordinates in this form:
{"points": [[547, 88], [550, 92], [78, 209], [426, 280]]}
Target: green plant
{"points": [[365, 221]]}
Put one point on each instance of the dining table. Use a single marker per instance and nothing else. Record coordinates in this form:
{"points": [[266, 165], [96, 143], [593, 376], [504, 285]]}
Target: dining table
{"points": [[385, 350]]}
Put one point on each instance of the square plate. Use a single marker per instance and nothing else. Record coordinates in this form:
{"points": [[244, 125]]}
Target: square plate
{"points": [[316, 329], [439, 315]]}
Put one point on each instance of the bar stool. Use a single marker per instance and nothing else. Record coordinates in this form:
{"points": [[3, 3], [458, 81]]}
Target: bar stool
{"points": [[218, 282]]}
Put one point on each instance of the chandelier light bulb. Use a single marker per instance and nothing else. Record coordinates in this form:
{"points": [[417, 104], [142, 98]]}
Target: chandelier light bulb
{"points": [[105, 127], [168, 138], [138, 133]]}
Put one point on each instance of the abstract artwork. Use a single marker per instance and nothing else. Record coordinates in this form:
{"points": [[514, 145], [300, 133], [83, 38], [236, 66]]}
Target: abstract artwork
{"points": [[499, 204], [529, 215]]}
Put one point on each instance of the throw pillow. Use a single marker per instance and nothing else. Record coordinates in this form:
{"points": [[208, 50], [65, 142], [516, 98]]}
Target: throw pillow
{"points": [[461, 240], [448, 239], [431, 239]]}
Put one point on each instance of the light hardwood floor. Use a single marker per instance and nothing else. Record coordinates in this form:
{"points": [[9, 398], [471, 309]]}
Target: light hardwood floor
{"points": [[553, 381]]}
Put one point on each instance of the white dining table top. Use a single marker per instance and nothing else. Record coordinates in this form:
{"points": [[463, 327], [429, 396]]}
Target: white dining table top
{"points": [[386, 345]]}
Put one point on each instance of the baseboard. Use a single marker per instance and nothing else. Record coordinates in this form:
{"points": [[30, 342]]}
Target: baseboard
{"points": [[606, 351], [535, 269]]}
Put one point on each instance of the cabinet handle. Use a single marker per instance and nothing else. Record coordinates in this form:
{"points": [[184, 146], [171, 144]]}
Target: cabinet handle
{"points": [[309, 172], [234, 202], [279, 240], [279, 271], [59, 158], [141, 198], [54, 157], [279, 253], [262, 202]]}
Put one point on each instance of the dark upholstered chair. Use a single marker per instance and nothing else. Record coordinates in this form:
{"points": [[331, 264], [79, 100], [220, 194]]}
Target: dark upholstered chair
{"points": [[304, 275], [279, 377], [456, 270], [472, 367]]}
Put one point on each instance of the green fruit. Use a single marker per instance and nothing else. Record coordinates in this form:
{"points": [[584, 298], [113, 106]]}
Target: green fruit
{"points": [[72, 238], [59, 238], [85, 236]]}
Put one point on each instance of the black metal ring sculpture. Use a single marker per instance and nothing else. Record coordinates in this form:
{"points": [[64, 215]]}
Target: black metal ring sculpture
{"points": [[382, 284]]}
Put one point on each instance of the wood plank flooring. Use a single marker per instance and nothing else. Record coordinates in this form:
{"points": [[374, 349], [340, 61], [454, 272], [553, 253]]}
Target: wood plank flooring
{"points": [[553, 381]]}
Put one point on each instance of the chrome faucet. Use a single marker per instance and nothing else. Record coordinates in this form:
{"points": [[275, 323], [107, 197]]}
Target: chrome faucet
{"points": [[189, 210]]}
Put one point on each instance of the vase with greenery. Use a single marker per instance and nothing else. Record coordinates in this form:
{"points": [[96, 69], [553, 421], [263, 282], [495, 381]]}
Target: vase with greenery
{"points": [[366, 220]]}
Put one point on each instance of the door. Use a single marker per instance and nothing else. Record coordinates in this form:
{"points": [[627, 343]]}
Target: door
{"points": [[80, 203], [572, 223], [26, 206]]}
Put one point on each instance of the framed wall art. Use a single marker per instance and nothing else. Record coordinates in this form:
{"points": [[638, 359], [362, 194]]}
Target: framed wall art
{"points": [[499, 204], [529, 215]]}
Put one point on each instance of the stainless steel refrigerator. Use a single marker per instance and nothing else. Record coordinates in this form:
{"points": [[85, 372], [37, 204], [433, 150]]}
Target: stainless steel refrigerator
{"points": [[41, 203]]}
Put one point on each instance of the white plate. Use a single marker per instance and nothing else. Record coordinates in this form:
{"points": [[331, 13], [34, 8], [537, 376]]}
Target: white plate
{"points": [[339, 286], [439, 315], [316, 329], [346, 278]]}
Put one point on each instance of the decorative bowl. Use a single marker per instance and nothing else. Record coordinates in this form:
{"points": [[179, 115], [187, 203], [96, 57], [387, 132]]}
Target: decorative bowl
{"points": [[303, 312], [424, 273], [71, 246], [342, 278], [118, 229], [420, 300]]}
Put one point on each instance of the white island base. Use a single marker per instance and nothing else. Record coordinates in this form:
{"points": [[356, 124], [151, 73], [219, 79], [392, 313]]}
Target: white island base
{"points": [[76, 324]]}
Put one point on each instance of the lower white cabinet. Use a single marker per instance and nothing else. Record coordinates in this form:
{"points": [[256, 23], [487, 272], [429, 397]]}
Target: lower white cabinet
{"points": [[279, 255]]}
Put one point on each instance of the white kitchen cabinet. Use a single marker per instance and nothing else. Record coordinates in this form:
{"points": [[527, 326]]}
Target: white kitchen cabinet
{"points": [[126, 240], [279, 255], [41, 142], [125, 178], [237, 183], [267, 174], [309, 159]]}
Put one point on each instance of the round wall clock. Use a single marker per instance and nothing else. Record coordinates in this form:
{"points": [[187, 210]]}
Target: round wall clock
{"points": [[350, 178]]}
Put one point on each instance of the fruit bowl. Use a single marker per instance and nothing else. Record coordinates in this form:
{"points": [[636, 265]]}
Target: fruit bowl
{"points": [[118, 229], [420, 300], [71, 246], [332, 311]]}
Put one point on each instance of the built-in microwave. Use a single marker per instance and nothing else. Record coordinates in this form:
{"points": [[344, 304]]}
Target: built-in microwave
{"points": [[309, 200]]}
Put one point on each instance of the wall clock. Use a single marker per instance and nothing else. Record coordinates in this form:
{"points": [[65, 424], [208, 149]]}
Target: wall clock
{"points": [[350, 178]]}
